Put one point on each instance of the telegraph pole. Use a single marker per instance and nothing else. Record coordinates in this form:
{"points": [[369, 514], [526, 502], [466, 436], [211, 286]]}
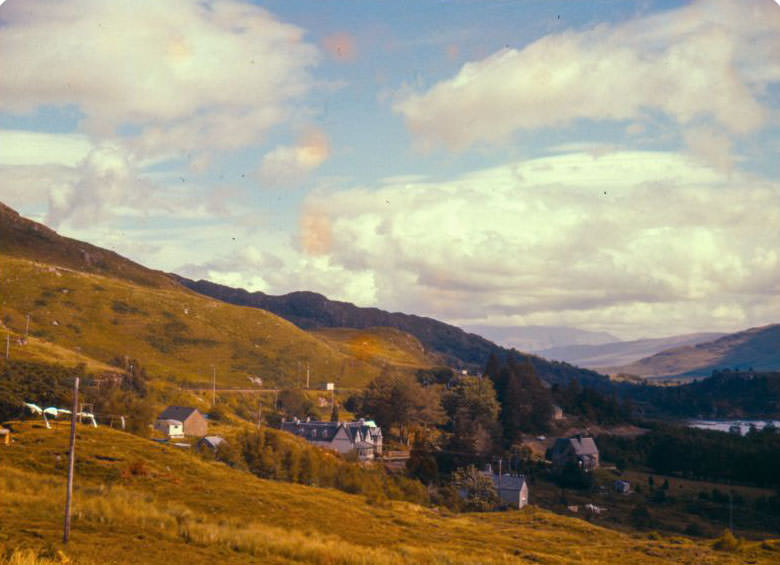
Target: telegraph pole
{"points": [[307, 376], [7, 345], [71, 460], [213, 385], [27, 327]]}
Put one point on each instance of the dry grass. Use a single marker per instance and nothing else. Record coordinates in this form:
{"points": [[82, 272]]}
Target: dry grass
{"points": [[177, 334], [378, 345], [187, 510]]}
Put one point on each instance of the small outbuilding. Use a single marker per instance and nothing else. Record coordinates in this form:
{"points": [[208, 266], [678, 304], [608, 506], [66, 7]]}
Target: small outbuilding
{"points": [[192, 421], [211, 442], [5, 436], [623, 487]]}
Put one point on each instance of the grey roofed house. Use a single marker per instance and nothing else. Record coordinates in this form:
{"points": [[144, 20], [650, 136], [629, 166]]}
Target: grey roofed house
{"points": [[511, 489], [193, 422], [578, 450], [212, 442], [363, 436]]}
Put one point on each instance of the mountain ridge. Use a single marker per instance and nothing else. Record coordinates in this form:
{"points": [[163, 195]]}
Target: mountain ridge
{"points": [[310, 311], [614, 354], [755, 348]]}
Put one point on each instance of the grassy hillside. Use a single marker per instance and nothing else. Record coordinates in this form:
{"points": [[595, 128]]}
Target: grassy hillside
{"points": [[175, 333], [309, 310], [756, 348], [23, 238], [379, 345], [141, 502]]}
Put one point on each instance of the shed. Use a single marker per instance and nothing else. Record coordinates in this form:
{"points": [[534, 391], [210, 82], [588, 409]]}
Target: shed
{"points": [[5, 436], [623, 487], [211, 442]]}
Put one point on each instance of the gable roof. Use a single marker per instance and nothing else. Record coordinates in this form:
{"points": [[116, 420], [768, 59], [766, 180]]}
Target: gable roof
{"points": [[580, 446], [179, 413], [212, 441], [326, 431], [508, 482]]}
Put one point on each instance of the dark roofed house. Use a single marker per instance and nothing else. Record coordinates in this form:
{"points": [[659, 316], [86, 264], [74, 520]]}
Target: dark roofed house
{"points": [[363, 436], [578, 450], [192, 421], [511, 489]]}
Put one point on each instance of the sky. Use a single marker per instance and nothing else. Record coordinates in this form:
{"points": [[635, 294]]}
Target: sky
{"points": [[605, 165]]}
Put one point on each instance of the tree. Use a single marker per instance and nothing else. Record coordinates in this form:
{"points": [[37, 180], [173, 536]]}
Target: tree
{"points": [[473, 411], [480, 494], [295, 403], [421, 463], [400, 401], [334, 413]]}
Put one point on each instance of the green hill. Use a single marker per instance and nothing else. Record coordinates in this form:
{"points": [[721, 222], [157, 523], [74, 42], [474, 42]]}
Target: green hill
{"points": [[137, 501]]}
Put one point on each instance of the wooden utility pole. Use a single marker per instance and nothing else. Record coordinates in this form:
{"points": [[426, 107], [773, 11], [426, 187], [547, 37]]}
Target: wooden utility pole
{"points": [[7, 345], [213, 385], [307, 376], [71, 461], [27, 327]]}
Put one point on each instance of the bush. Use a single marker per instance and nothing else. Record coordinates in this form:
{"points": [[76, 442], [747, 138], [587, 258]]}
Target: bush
{"points": [[727, 542]]}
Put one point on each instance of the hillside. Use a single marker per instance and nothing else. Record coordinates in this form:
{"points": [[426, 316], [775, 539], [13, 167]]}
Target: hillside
{"points": [[24, 238], [89, 305], [379, 345], [619, 353], [137, 501], [309, 310], [176, 334], [756, 348]]}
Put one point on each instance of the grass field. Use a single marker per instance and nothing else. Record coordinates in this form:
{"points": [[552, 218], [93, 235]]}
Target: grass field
{"points": [[175, 333], [137, 501]]}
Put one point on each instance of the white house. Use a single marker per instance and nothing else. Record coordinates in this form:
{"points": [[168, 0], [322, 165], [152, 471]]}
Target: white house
{"points": [[171, 428]]}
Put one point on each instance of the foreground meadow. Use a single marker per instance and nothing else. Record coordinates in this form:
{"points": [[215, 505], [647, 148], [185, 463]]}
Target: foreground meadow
{"points": [[137, 501]]}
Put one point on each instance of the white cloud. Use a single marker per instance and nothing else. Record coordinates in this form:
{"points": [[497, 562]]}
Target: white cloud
{"points": [[288, 164], [191, 75], [27, 148], [708, 60], [627, 238]]}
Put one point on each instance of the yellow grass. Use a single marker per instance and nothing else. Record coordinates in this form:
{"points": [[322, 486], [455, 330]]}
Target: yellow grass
{"points": [[183, 509], [176, 334], [382, 345]]}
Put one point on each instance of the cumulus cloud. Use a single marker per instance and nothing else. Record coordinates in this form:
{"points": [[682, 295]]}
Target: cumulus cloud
{"points": [[187, 75], [709, 60], [288, 164], [624, 238], [105, 181]]}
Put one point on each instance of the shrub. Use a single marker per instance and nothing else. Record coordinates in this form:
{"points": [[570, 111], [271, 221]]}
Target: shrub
{"points": [[727, 542]]}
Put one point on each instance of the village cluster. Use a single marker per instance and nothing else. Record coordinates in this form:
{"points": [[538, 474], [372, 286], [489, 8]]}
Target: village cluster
{"points": [[363, 438]]}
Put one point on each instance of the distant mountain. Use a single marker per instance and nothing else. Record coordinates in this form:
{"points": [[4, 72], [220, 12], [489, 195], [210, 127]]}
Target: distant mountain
{"points": [[26, 239], [539, 338], [621, 352], [756, 348], [309, 310]]}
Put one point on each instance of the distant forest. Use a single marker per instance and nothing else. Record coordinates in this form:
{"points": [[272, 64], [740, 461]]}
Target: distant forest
{"points": [[726, 394]]}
